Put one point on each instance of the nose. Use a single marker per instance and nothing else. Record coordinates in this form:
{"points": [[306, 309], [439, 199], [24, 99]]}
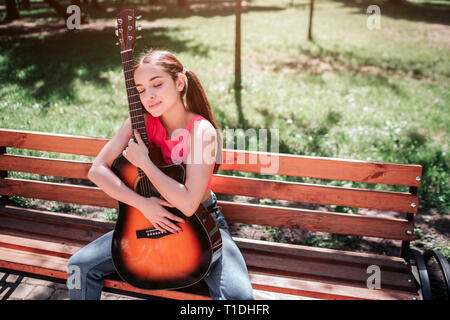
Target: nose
{"points": [[149, 95]]}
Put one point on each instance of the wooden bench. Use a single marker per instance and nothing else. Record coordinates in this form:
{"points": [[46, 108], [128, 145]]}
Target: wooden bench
{"points": [[39, 243]]}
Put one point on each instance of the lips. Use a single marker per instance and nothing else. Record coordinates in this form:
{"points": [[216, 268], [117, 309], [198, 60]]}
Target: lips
{"points": [[154, 105]]}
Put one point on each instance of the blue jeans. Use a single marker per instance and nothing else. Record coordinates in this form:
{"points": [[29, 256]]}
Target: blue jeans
{"points": [[228, 277]]}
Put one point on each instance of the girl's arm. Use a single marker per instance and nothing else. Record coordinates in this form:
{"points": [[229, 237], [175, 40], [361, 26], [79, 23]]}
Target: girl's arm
{"points": [[202, 153], [102, 175]]}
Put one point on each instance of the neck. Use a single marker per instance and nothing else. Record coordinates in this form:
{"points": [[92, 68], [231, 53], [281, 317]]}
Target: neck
{"points": [[175, 118]]}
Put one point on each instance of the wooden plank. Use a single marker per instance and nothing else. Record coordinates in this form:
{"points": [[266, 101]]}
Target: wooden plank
{"points": [[351, 224], [325, 269], [56, 267], [321, 167], [57, 192], [258, 188], [312, 220], [323, 290], [50, 248], [268, 295], [45, 166], [55, 225], [51, 142], [238, 160], [317, 194], [333, 256], [57, 218]]}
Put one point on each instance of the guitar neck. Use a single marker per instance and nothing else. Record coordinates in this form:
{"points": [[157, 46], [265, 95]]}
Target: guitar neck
{"points": [[134, 102]]}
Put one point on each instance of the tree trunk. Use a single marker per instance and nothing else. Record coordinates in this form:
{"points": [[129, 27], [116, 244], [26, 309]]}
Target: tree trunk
{"points": [[60, 10], [311, 9], [25, 4], [11, 11]]}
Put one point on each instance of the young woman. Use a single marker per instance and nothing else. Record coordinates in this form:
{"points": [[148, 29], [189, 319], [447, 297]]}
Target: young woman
{"points": [[171, 122]]}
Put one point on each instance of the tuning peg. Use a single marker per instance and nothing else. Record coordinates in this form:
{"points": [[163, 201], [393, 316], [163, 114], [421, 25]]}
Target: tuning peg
{"points": [[138, 37], [139, 27], [117, 32], [138, 17], [117, 43]]}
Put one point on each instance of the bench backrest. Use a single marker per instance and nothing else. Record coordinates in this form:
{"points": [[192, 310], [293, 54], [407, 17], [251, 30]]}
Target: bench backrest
{"points": [[382, 226]]}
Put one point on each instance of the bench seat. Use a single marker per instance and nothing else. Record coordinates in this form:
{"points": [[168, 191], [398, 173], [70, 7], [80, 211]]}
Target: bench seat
{"points": [[40, 243]]}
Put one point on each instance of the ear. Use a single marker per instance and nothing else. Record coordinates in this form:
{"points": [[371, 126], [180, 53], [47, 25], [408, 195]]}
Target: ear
{"points": [[180, 82]]}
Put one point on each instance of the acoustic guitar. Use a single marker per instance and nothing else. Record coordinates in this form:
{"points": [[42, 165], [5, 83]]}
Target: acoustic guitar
{"points": [[143, 256]]}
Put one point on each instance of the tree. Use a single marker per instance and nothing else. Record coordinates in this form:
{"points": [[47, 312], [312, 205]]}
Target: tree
{"points": [[11, 11], [311, 9]]}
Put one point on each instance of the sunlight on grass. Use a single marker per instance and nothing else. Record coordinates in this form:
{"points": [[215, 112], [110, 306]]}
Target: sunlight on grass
{"points": [[353, 93]]}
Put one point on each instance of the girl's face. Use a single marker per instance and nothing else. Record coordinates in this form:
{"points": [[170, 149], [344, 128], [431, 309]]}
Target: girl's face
{"points": [[157, 90]]}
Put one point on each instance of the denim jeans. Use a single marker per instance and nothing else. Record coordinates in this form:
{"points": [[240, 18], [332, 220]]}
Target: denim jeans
{"points": [[227, 279]]}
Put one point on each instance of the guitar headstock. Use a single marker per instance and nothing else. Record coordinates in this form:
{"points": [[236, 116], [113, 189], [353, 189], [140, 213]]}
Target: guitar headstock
{"points": [[126, 29]]}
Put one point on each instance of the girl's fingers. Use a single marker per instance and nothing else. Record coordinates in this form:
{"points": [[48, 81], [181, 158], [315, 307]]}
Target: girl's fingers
{"points": [[165, 203], [159, 228], [169, 226], [171, 216]]}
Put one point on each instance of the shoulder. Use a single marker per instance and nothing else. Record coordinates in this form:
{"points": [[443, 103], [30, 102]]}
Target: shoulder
{"points": [[202, 127]]}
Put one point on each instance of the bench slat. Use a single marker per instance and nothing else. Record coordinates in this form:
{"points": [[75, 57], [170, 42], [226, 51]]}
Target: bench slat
{"points": [[45, 166], [253, 258], [317, 194], [56, 267], [312, 220], [322, 167], [325, 269], [258, 188], [290, 165], [51, 142], [257, 255], [334, 256], [324, 290], [68, 193]]}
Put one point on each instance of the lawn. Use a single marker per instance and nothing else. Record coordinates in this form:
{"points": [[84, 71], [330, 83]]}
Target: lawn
{"points": [[351, 93]]}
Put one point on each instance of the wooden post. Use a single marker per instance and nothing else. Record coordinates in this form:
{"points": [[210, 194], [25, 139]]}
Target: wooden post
{"points": [[410, 217], [237, 51], [3, 174], [311, 9]]}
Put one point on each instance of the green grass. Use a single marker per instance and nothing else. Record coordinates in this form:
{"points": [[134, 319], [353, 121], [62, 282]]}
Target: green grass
{"points": [[352, 93]]}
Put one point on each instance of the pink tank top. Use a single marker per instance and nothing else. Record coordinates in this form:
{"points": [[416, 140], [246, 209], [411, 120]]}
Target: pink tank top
{"points": [[173, 150]]}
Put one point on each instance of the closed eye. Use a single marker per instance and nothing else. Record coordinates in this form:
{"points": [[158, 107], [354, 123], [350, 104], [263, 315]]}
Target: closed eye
{"points": [[156, 86]]}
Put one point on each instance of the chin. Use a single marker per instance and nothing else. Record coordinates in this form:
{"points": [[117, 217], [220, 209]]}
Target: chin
{"points": [[155, 112]]}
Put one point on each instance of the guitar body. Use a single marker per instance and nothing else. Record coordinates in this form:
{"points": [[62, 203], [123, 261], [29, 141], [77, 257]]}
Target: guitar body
{"points": [[143, 256]]}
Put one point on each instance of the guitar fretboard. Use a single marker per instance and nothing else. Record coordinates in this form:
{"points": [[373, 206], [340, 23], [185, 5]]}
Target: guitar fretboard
{"points": [[134, 102]]}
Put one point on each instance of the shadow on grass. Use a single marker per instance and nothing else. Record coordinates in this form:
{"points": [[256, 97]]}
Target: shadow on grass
{"points": [[47, 68]]}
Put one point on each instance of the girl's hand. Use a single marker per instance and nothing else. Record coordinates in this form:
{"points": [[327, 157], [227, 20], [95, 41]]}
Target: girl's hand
{"points": [[136, 153], [152, 209]]}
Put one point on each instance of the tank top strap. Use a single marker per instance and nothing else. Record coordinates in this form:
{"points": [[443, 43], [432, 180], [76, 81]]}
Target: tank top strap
{"points": [[189, 127]]}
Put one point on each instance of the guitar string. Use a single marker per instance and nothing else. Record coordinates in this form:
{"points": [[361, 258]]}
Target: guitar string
{"points": [[127, 59]]}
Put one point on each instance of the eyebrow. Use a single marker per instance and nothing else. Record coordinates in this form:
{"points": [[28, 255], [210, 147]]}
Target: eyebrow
{"points": [[138, 84]]}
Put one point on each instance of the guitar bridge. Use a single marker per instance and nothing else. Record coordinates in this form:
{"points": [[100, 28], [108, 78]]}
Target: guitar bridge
{"points": [[151, 233]]}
